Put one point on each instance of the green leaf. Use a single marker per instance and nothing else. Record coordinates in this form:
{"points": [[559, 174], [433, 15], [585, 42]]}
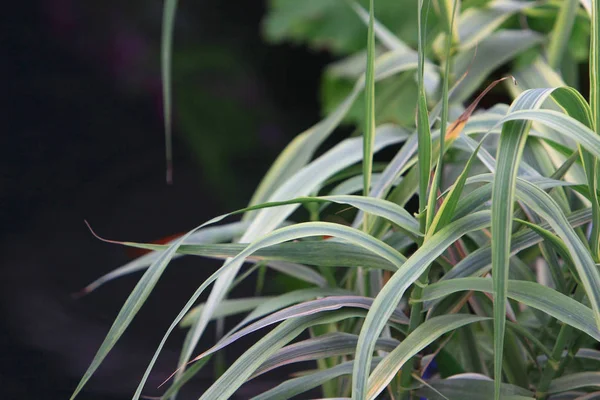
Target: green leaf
{"points": [[476, 262], [510, 149], [213, 234], [423, 130], [575, 381], [308, 308], [562, 32], [471, 387], [492, 52], [532, 294], [387, 38], [369, 132], [328, 345], [226, 308], [476, 24], [256, 355], [324, 253], [305, 383], [387, 300], [281, 235], [298, 153], [131, 307], [420, 338], [168, 26], [302, 183]]}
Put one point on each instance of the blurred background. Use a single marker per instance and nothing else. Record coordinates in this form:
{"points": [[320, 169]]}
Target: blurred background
{"points": [[85, 141]]}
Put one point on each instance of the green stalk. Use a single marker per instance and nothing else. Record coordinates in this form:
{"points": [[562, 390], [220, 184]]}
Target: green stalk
{"points": [[424, 159], [423, 130], [562, 32], [439, 171], [416, 313], [592, 170], [168, 23], [556, 362], [369, 134]]}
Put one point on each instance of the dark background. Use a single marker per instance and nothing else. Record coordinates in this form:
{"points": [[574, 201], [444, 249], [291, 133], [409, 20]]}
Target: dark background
{"points": [[84, 140]]}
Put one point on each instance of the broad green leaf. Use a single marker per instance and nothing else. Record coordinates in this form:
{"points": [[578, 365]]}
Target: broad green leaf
{"points": [[562, 124], [420, 338], [387, 300]]}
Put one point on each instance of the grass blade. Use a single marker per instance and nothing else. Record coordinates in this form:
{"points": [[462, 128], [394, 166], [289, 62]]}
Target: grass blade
{"points": [[328, 345], [532, 294], [449, 13], [392, 292], [476, 388], [423, 130], [251, 360], [420, 338], [129, 310], [294, 387], [228, 307], [281, 235], [308, 308], [562, 32], [510, 150], [575, 381], [369, 133], [166, 54]]}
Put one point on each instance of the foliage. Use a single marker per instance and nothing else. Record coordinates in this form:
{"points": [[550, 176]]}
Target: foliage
{"points": [[490, 289]]}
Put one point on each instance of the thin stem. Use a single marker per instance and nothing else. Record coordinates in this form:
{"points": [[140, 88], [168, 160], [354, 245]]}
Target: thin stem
{"points": [[555, 363]]}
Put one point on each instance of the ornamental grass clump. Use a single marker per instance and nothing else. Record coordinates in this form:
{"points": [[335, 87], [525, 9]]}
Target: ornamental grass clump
{"points": [[486, 288]]}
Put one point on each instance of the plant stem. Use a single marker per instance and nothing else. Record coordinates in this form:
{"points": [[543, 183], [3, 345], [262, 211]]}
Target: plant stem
{"points": [[416, 318], [556, 362]]}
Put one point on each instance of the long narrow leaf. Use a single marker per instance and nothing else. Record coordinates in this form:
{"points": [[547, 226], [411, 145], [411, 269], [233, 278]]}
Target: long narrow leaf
{"points": [[510, 150], [168, 26], [531, 294], [387, 300], [420, 338]]}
